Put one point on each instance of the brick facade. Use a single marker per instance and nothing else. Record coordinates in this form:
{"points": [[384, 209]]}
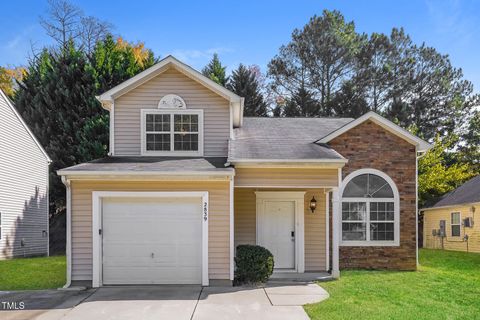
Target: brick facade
{"points": [[370, 146]]}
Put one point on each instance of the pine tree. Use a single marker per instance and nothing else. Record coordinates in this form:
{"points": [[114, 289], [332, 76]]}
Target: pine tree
{"points": [[244, 83], [215, 71], [349, 101], [301, 104]]}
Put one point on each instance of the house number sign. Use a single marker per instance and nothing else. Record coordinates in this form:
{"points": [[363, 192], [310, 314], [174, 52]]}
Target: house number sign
{"points": [[205, 211]]}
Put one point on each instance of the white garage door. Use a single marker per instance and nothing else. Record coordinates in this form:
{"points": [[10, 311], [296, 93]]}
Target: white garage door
{"points": [[152, 241]]}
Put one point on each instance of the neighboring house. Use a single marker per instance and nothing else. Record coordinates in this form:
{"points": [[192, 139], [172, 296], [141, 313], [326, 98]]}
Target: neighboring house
{"points": [[23, 187], [450, 224], [189, 178]]}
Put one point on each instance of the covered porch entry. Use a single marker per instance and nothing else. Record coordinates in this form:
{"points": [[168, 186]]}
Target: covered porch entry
{"points": [[273, 209]]}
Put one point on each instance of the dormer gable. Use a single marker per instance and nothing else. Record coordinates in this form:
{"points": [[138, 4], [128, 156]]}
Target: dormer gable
{"points": [[171, 109]]}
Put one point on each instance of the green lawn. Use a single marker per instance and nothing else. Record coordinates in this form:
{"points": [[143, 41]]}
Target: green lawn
{"points": [[32, 273], [446, 286]]}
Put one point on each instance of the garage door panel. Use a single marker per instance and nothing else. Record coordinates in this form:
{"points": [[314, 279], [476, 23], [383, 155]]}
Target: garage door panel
{"points": [[169, 275], [149, 240]]}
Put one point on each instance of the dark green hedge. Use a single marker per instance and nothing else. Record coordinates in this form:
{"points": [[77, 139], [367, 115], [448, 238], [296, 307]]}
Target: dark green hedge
{"points": [[254, 264]]}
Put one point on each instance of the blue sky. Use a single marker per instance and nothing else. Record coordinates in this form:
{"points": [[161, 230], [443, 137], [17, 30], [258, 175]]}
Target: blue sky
{"points": [[252, 31]]}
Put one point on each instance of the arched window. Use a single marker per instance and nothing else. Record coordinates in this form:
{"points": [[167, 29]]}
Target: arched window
{"points": [[370, 209]]}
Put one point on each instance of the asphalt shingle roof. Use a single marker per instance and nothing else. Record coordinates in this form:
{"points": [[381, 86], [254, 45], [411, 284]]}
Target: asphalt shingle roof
{"points": [[469, 192], [284, 138], [152, 164]]}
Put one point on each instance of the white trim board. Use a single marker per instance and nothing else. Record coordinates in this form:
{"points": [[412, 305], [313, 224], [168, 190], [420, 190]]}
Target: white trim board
{"points": [[144, 173], [68, 248], [232, 229], [97, 196], [386, 124], [299, 198]]}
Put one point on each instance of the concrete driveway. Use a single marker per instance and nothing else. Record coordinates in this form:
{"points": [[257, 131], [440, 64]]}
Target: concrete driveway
{"points": [[276, 301]]}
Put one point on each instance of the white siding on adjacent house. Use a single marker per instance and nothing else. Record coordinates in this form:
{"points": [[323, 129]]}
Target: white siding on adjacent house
{"points": [[23, 189], [127, 109]]}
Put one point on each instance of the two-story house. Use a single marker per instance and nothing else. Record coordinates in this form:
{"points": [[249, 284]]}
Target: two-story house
{"points": [[188, 178]]}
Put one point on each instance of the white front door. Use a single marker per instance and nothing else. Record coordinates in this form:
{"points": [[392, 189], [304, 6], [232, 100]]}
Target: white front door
{"points": [[277, 232]]}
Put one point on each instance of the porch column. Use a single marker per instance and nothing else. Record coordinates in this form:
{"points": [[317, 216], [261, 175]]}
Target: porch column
{"points": [[335, 232]]}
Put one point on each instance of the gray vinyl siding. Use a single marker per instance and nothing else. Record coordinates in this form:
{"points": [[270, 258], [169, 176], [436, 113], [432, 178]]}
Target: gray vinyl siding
{"points": [[127, 132], [23, 189]]}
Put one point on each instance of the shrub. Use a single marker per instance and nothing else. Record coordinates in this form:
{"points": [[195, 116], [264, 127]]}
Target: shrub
{"points": [[254, 264]]}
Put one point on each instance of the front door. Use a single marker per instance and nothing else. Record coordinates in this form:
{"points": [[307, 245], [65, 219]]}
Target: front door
{"points": [[277, 232]]}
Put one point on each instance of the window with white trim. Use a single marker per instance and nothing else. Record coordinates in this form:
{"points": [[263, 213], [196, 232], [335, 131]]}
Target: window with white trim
{"points": [[172, 132], [455, 224], [370, 213]]}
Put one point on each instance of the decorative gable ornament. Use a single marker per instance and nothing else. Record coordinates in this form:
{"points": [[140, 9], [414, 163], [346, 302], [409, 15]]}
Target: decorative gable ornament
{"points": [[172, 101]]}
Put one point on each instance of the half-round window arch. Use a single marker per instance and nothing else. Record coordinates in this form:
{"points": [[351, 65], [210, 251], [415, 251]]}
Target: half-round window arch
{"points": [[370, 209]]}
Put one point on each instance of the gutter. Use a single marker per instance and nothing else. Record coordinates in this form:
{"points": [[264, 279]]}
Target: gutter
{"points": [[144, 173]]}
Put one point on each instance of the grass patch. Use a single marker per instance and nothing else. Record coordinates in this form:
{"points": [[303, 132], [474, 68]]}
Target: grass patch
{"points": [[32, 273], [446, 286]]}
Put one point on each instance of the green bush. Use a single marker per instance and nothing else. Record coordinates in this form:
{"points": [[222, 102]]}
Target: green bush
{"points": [[254, 264]]}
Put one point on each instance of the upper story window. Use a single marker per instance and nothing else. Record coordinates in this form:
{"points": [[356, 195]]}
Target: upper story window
{"points": [[370, 209], [172, 132]]}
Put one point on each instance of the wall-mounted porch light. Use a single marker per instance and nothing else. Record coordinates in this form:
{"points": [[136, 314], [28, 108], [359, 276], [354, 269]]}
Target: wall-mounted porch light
{"points": [[313, 204]]}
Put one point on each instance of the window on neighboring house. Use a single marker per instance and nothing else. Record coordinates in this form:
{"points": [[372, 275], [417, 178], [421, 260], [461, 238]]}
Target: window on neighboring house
{"points": [[370, 209], [455, 224], [172, 132]]}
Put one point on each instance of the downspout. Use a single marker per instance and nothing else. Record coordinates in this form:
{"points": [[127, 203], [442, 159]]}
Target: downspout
{"points": [[68, 204], [47, 196], [418, 156]]}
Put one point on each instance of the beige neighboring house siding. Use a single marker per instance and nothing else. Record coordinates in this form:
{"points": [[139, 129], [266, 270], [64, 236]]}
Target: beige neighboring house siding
{"points": [[431, 220], [127, 132], [315, 224], [219, 223], [286, 177], [23, 189]]}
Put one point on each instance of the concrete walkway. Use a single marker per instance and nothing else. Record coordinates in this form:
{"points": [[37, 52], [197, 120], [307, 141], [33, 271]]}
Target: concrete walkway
{"points": [[274, 301]]}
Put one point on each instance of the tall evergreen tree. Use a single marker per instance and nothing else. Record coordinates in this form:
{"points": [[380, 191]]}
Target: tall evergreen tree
{"points": [[55, 98], [469, 149], [216, 71], [115, 61], [244, 83], [349, 101], [301, 104]]}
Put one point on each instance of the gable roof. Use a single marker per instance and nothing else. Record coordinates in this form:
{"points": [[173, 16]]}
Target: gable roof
{"points": [[386, 124], [469, 192], [284, 140], [30, 133], [236, 101]]}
